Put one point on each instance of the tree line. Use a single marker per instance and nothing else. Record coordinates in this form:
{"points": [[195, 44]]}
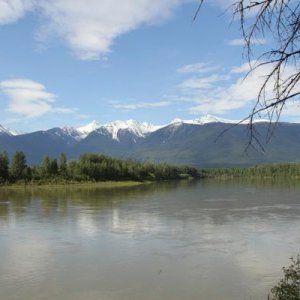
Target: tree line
{"points": [[260, 171], [88, 167]]}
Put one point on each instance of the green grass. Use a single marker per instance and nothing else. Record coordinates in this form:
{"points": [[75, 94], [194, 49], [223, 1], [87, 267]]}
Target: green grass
{"points": [[101, 184]]}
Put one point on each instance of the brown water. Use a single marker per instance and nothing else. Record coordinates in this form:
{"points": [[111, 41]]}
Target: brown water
{"points": [[190, 240]]}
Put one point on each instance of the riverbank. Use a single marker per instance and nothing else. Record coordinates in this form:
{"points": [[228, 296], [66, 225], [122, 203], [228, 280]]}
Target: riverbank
{"points": [[100, 184]]}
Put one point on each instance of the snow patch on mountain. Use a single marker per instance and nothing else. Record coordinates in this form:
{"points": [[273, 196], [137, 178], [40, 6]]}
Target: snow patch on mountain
{"points": [[138, 129], [84, 131], [211, 119], [6, 131], [113, 128], [200, 121], [72, 132]]}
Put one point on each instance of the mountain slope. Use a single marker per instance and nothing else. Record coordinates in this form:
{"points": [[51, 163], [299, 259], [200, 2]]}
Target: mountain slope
{"points": [[203, 145], [194, 142], [37, 144], [7, 132]]}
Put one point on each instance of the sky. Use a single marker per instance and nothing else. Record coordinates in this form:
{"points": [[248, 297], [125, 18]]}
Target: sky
{"points": [[66, 62]]}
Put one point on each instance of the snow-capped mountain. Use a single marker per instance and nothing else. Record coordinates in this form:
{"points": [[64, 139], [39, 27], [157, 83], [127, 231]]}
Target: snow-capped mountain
{"points": [[212, 119], [201, 121], [6, 131], [136, 128], [85, 130], [180, 142], [72, 132], [139, 129]]}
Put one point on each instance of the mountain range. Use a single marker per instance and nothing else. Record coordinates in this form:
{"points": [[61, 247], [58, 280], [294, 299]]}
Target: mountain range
{"points": [[195, 142]]}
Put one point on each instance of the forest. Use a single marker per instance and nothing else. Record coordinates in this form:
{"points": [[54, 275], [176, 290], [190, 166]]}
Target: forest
{"points": [[88, 167], [289, 170]]}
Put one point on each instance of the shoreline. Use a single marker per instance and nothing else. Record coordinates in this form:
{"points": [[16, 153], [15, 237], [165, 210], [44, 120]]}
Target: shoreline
{"points": [[100, 184]]}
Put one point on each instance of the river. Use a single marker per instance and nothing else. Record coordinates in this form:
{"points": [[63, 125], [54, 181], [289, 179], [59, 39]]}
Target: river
{"points": [[207, 240]]}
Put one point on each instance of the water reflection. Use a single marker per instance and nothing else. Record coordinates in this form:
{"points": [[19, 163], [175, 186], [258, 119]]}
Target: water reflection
{"points": [[192, 240]]}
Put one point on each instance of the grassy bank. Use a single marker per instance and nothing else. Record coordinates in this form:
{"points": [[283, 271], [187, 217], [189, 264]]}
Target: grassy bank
{"points": [[49, 184]]}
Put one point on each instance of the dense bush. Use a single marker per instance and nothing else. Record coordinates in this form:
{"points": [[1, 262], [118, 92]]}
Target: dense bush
{"points": [[288, 288]]}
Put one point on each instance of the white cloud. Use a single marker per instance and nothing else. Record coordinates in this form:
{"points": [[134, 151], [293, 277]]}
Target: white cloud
{"points": [[292, 109], [239, 93], [244, 68], [197, 68], [27, 97], [90, 27], [30, 98], [202, 83], [241, 42], [12, 10], [140, 105]]}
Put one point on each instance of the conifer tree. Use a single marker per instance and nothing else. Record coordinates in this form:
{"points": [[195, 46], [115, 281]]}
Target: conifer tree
{"points": [[62, 165], [45, 167], [53, 167], [18, 166], [4, 166]]}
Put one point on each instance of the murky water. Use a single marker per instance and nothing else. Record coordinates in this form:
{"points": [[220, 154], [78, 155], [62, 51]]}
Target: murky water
{"points": [[191, 240]]}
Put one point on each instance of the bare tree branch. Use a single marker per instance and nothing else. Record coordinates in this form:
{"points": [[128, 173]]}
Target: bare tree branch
{"points": [[279, 20]]}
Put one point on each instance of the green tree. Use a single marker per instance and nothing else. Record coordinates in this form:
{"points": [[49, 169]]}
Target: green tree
{"points": [[4, 166], [53, 167], [62, 165], [45, 167], [74, 171], [288, 288], [18, 166]]}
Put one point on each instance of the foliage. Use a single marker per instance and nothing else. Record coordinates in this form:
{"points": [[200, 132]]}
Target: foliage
{"points": [[45, 167], [4, 167], [288, 288], [18, 167], [89, 167], [62, 165], [259, 171]]}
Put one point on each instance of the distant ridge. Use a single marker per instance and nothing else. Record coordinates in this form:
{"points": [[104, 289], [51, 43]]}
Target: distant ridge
{"points": [[138, 128], [194, 142]]}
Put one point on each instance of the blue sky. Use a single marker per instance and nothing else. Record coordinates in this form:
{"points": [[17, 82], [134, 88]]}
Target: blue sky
{"points": [[69, 62]]}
